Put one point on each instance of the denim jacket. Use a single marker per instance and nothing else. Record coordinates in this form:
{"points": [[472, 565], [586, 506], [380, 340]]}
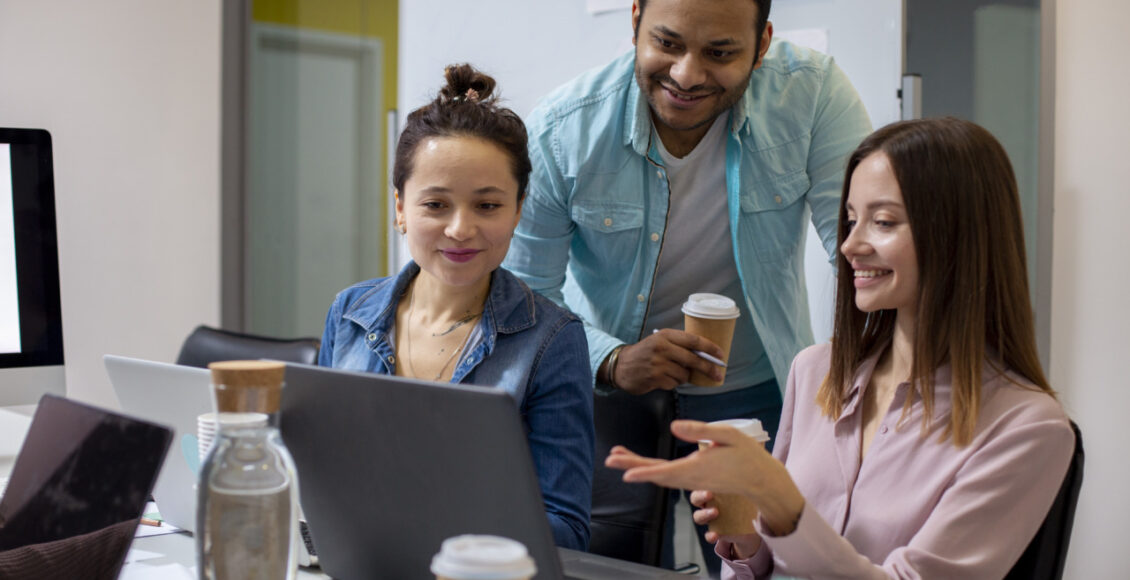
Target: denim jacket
{"points": [[531, 348], [594, 221]]}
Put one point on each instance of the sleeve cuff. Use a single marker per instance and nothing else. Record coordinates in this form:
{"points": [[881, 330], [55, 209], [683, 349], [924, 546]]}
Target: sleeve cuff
{"points": [[760, 565]]}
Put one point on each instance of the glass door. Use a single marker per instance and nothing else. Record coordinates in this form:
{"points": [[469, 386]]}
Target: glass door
{"points": [[321, 84]]}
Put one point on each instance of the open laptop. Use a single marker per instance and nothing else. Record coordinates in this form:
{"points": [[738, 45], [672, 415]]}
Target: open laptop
{"points": [[77, 490], [174, 395], [390, 467]]}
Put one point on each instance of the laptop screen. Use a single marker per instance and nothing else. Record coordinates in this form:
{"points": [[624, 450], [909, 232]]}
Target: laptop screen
{"points": [[77, 490]]}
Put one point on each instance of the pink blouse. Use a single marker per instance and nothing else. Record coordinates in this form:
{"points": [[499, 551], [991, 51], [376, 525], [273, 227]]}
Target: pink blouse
{"points": [[914, 508]]}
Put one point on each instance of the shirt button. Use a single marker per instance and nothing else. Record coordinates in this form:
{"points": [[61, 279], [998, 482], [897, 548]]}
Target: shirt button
{"points": [[659, 174], [883, 429], [640, 297], [777, 199], [372, 336], [607, 222], [654, 237]]}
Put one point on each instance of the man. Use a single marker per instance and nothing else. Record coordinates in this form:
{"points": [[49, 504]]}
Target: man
{"points": [[689, 166]]}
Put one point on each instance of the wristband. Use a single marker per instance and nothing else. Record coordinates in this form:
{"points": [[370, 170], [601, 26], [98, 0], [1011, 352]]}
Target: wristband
{"points": [[610, 369]]}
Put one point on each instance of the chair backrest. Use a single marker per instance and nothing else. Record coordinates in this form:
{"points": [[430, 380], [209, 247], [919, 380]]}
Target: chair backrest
{"points": [[1046, 554], [206, 345], [628, 519]]}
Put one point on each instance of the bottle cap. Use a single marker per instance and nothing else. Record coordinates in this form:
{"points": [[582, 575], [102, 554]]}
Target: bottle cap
{"points": [[247, 385]]}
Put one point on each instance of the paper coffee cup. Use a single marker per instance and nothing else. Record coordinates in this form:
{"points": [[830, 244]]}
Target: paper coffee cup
{"points": [[477, 557], [711, 316], [736, 512]]}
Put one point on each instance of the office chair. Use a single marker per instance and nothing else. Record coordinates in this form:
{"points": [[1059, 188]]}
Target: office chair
{"points": [[207, 344], [1046, 554], [629, 519]]}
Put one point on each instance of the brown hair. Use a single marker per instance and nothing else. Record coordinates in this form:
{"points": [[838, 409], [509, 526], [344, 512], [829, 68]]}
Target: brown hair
{"points": [[964, 213], [465, 107]]}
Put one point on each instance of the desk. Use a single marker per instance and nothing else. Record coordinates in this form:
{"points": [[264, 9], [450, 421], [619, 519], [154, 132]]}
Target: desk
{"points": [[178, 548]]}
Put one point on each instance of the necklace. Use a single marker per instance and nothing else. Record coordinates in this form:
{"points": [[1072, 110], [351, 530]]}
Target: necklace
{"points": [[408, 340], [467, 318]]}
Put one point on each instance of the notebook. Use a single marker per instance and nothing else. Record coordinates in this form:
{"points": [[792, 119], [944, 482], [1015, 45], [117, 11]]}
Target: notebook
{"points": [[389, 467], [174, 395], [77, 490]]}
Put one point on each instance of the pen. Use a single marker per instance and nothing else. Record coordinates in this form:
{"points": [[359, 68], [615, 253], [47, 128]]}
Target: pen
{"points": [[703, 355], [150, 522]]}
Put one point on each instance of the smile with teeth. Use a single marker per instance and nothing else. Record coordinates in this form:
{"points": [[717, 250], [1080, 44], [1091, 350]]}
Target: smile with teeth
{"points": [[871, 273], [684, 96]]}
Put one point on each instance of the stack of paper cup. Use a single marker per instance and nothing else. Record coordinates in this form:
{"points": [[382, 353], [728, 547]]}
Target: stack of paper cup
{"points": [[206, 427], [476, 557]]}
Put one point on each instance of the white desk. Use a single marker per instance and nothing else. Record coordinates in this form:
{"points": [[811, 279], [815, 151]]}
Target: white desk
{"points": [[178, 548]]}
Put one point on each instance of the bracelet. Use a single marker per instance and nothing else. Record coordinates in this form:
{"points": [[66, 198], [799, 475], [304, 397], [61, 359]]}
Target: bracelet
{"points": [[610, 368]]}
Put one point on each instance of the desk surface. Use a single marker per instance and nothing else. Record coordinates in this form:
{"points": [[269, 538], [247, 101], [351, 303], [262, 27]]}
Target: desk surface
{"points": [[177, 549]]}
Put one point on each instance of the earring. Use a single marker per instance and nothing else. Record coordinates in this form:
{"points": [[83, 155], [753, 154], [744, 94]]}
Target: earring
{"points": [[402, 229]]}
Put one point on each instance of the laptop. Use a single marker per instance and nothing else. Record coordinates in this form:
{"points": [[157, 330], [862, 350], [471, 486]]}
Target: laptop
{"points": [[389, 467], [77, 491], [174, 395]]}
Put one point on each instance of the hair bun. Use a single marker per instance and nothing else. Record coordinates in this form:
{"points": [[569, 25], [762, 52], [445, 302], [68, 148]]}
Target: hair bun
{"points": [[465, 82]]}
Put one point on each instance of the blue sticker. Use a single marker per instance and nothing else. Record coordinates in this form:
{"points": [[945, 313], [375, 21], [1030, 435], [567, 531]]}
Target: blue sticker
{"points": [[191, 450]]}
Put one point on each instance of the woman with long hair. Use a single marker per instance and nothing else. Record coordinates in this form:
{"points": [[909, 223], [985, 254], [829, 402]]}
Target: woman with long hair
{"points": [[452, 314], [924, 441]]}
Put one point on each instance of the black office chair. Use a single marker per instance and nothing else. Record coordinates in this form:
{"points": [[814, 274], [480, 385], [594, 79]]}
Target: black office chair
{"points": [[1046, 554], [629, 519], [207, 344]]}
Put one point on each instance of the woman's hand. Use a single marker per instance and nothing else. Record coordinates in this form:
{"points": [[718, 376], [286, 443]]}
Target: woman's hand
{"points": [[742, 547], [734, 463]]}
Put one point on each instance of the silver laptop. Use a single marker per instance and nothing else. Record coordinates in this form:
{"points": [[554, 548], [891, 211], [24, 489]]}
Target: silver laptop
{"points": [[389, 467], [173, 395]]}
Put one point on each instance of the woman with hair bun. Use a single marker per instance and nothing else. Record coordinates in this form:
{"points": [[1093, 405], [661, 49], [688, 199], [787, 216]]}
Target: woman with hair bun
{"points": [[924, 441], [452, 314]]}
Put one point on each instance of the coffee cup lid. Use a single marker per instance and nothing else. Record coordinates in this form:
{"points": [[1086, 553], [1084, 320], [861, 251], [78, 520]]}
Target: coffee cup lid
{"points": [[751, 427], [715, 306], [480, 557]]}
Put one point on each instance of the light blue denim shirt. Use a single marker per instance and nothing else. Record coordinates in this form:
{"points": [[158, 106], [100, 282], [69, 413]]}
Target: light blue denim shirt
{"points": [[594, 221], [530, 348]]}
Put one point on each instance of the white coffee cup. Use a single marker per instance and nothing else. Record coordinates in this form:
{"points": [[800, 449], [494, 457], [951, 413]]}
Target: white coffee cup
{"points": [[480, 557]]}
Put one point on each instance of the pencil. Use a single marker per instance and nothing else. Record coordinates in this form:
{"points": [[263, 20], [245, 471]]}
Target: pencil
{"points": [[150, 522]]}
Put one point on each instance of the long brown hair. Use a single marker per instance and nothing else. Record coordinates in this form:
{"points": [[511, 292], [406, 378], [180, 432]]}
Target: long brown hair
{"points": [[964, 213]]}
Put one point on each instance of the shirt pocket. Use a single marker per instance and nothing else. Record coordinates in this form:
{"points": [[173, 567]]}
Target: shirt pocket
{"points": [[610, 229], [774, 216]]}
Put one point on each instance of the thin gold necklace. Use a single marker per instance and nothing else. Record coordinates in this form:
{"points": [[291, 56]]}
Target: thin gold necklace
{"points": [[408, 342]]}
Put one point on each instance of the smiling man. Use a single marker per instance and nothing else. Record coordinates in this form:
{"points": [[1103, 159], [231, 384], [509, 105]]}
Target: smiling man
{"points": [[689, 165]]}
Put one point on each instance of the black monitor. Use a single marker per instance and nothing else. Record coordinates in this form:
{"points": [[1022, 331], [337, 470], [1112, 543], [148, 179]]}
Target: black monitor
{"points": [[31, 321]]}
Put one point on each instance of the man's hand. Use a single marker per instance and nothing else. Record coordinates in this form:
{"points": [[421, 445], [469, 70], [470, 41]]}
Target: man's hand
{"points": [[664, 360]]}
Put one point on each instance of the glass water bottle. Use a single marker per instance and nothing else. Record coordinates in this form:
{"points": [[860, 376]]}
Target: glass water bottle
{"points": [[247, 504]]}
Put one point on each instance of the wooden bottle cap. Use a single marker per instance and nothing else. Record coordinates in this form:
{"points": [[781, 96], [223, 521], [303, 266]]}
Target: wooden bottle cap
{"points": [[247, 385]]}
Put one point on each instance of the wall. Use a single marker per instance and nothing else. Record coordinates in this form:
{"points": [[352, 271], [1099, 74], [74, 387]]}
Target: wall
{"points": [[130, 90], [1090, 309]]}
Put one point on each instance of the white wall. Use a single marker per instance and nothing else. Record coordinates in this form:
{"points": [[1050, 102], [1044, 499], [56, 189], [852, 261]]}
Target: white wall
{"points": [[130, 91], [1090, 342]]}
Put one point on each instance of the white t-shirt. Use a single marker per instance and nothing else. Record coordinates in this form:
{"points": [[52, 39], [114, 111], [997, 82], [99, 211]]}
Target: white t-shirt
{"points": [[698, 256]]}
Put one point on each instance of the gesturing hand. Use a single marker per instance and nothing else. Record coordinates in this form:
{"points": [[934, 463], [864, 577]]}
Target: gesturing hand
{"points": [[735, 463]]}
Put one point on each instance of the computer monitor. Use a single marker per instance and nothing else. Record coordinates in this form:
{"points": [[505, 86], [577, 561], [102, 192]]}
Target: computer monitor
{"points": [[31, 322]]}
